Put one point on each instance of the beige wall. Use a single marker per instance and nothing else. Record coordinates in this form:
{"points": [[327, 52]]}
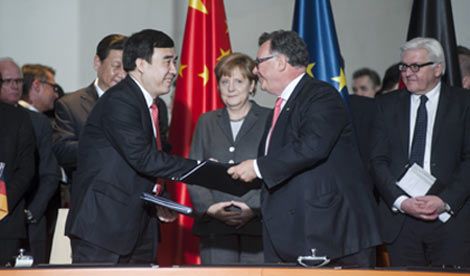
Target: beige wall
{"points": [[64, 33]]}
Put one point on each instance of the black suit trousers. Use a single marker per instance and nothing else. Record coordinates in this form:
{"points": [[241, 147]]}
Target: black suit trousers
{"points": [[423, 243], [143, 253]]}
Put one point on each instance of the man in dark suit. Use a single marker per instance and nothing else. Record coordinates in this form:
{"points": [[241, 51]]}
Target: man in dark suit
{"points": [[17, 153], [119, 159], [428, 123], [43, 200], [72, 110], [315, 193]]}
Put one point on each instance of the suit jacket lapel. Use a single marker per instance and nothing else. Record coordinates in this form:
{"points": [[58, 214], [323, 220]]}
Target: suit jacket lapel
{"points": [[88, 99], [403, 114], [147, 120], [281, 124], [223, 121], [249, 121], [442, 108]]}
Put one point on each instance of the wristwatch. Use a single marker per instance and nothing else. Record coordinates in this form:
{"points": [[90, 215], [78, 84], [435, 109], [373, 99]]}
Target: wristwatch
{"points": [[448, 209]]}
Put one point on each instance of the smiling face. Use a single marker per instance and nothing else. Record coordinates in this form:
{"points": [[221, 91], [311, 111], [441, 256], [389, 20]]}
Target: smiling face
{"points": [[266, 69], [426, 78], [158, 75], [235, 89], [110, 70]]}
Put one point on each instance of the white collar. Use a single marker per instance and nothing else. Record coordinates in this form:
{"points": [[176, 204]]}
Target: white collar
{"points": [[285, 95], [432, 95], [98, 89], [27, 105]]}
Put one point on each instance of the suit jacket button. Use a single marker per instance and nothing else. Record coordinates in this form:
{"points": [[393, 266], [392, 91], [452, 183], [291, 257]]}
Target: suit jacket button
{"points": [[231, 149], [231, 162]]}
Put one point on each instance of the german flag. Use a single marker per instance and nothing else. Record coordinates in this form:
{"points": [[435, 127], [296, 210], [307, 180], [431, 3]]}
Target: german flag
{"points": [[3, 194]]}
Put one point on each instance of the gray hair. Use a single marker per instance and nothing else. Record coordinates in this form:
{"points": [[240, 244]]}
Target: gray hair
{"points": [[431, 45]]}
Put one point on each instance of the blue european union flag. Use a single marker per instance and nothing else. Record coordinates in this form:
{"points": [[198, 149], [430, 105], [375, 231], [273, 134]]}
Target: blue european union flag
{"points": [[313, 21]]}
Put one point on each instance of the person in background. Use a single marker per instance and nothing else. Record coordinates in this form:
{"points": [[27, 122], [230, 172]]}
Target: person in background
{"points": [[428, 124], [464, 62], [43, 200], [12, 82], [72, 110], [390, 80], [229, 227], [366, 82], [17, 144]]}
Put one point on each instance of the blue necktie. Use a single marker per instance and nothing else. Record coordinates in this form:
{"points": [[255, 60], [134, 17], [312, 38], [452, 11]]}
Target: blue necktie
{"points": [[419, 136]]}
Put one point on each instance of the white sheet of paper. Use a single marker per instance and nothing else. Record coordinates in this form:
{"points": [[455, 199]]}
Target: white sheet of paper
{"points": [[417, 182]]}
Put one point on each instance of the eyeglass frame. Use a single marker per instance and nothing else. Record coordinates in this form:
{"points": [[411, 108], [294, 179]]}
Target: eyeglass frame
{"points": [[260, 60], [55, 86], [9, 81], [402, 67]]}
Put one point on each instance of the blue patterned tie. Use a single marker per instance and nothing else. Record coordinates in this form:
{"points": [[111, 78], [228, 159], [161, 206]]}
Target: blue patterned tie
{"points": [[419, 136]]}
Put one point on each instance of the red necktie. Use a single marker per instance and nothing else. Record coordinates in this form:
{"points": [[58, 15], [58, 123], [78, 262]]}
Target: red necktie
{"points": [[277, 111], [159, 186]]}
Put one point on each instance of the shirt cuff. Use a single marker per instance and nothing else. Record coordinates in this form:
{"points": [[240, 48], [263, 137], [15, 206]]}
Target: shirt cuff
{"points": [[397, 204], [255, 167], [444, 217]]}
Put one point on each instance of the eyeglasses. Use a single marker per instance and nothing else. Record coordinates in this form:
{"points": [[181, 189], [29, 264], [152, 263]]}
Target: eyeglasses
{"points": [[10, 82], [57, 89], [413, 67], [258, 61]]}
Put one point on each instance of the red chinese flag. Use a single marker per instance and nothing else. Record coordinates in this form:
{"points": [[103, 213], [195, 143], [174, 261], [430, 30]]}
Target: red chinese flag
{"points": [[206, 41]]}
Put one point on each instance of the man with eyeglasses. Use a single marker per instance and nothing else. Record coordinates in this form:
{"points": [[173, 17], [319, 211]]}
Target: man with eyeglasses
{"points": [[314, 180], [39, 88], [17, 145], [12, 81], [43, 200], [428, 124]]}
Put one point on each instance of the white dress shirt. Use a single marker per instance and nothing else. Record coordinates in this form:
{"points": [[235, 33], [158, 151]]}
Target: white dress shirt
{"points": [[431, 108]]}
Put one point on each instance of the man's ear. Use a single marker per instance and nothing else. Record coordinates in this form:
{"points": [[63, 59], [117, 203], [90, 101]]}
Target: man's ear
{"points": [[35, 86], [438, 70], [140, 64], [96, 62], [281, 62]]}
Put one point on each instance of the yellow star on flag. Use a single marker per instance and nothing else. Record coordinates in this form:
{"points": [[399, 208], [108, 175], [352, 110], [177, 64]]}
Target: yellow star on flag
{"points": [[341, 79], [180, 70], [198, 5], [223, 53], [204, 75], [309, 69]]}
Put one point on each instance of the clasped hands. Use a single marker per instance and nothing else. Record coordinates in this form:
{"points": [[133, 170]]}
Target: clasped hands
{"points": [[424, 207], [236, 218]]}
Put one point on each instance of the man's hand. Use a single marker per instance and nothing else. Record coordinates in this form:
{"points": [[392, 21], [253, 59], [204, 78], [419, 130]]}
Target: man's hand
{"points": [[431, 204], [245, 215], [244, 171], [165, 214], [423, 207]]}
